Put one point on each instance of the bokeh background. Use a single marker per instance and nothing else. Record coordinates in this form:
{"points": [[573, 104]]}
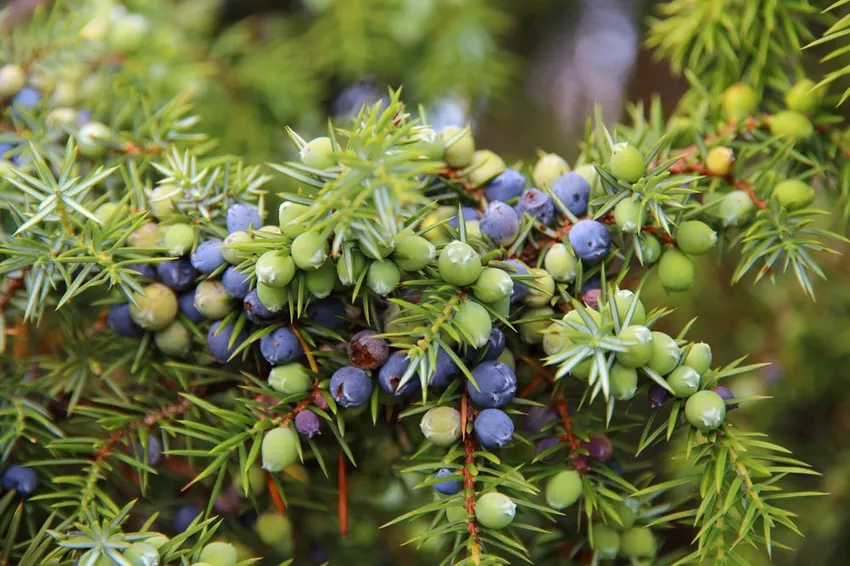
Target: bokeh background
{"points": [[526, 74]]}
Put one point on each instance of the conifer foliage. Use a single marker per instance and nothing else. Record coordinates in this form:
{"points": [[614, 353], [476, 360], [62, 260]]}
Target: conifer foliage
{"points": [[193, 373]]}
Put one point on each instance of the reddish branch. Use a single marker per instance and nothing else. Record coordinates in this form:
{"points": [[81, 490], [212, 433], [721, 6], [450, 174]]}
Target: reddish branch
{"points": [[148, 422], [343, 495], [12, 287], [468, 478]]}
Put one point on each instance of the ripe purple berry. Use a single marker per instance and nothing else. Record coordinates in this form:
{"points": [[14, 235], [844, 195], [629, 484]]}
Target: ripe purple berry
{"points": [[177, 274], [219, 342], [573, 191], [506, 186], [445, 372], [491, 350], [590, 240], [186, 303], [367, 352], [236, 284], [538, 204], [350, 386], [448, 487], [207, 256], [496, 384], [500, 223], [493, 428], [469, 215], [145, 270], [241, 217], [281, 347], [599, 446], [538, 417], [545, 444], [391, 373], [154, 451], [121, 323], [184, 517], [726, 395], [307, 424], [520, 290], [657, 396], [327, 312], [21, 479], [255, 310]]}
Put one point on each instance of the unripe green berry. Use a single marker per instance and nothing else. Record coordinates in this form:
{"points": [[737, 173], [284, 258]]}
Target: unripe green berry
{"points": [[441, 425], [734, 208], [650, 249], [533, 332], [106, 211], [291, 379], [539, 297], [676, 271], [493, 285], [273, 298], [458, 153], [719, 160], [321, 282], [377, 250], [485, 165], [623, 382], [549, 169], [800, 97], [413, 253], [705, 410], [459, 264], [310, 250], [589, 174], [605, 542], [163, 200], [145, 236], [638, 542], [155, 307], [474, 322], [456, 514], [793, 194], [695, 237], [256, 482], [638, 347], [275, 269], [349, 276], [624, 299], [211, 300], [272, 528], [231, 254], [626, 515], [495, 510], [179, 239], [790, 124], [627, 215], [157, 540], [173, 340], [665, 354], [555, 339], [561, 263], [383, 277], [141, 554], [279, 449], [626, 162], [129, 33], [699, 357], [92, 139], [429, 143], [12, 79], [563, 489], [219, 554], [439, 234], [287, 214], [61, 117], [740, 101], [318, 153], [684, 381]]}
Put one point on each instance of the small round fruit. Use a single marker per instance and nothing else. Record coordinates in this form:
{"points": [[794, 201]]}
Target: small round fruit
{"points": [[509, 185], [290, 379], [699, 357], [549, 169], [212, 300], [624, 300], [493, 285], [141, 554], [93, 138], [174, 340], [413, 253], [220, 344], [456, 514], [495, 510], [459, 264], [555, 340], [219, 554], [230, 253], [627, 215], [695, 237], [626, 514], [538, 204], [734, 209], [272, 528], [428, 143], [391, 374], [272, 298], [318, 153], [650, 249], [350, 387], [590, 240], [705, 410], [533, 332], [20, 478], [740, 101], [500, 223], [726, 395], [184, 516], [383, 277], [145, 236], [281, 346], [665, 354], [207, 256], [545, 284], [638, 542], [157, 541], [458, 153], [441, 425], [287, 214], [433, 227], [307, 424], [639, 347], [790, 124], [793, 194], [485, 165], [573, 190], [719, 160], [676, 271], [474, 323], [279, 449], [12, 79], [561, 263], [310, 250], [448, 487], [626, 162], [236, 283], [496, 384], [275, 269], [623, 382], [129, 33], [490, 351], [349, 274], [802, 98], [563, 489], [242, 217], [120, 321], [155, 308], [365, 351], [493, 428], [605, 542], [684, 381]]}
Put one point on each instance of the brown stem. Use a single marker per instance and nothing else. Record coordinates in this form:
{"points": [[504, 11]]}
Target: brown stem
{"points": [[469, 479], [147, 422], [306, 347], [343, 495]]}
